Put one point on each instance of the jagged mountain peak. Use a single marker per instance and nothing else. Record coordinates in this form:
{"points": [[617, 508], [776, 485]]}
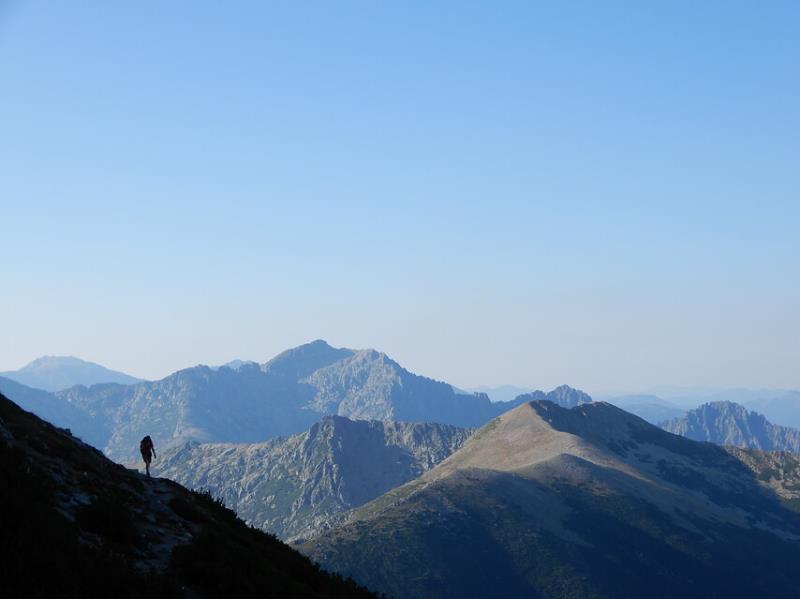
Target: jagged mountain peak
{"points": [[724, 407], [729, 423], [563, 395], [567, 396], [302, 360]]}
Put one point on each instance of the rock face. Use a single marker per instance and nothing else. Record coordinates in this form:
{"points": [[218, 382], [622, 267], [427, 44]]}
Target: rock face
{"points": [[291, 487], [728, 423], [77, 525], [584, 502], [53, 373], [282, 397]]}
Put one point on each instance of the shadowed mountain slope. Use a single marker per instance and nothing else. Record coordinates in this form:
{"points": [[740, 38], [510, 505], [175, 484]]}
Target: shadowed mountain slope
{"points": [[779, 470], [291, 486], [584, 502], [728, 423], [53, 373], [54, 409], [77, 525]]}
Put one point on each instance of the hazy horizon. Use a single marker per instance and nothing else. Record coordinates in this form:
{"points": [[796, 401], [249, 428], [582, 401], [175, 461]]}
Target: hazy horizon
{"points": [[670, 392], [598, 195]]}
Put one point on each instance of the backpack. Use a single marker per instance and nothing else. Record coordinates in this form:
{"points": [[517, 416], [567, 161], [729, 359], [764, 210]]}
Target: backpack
{"points": [[146, 444]]}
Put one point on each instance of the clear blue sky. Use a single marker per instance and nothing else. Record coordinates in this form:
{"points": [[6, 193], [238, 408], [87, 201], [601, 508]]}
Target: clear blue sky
{"points": [[598, 193]]}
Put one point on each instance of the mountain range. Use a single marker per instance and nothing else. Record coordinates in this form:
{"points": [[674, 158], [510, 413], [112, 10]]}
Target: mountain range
{"points": [[292, 486], [585, 502], [783, 409], [556, 496], [650, 407], [77, 525], [281, 397], [54, 373], [728, 423], [502, 392]]}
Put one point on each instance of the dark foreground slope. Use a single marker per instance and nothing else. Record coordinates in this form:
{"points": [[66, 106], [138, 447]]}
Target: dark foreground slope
{"points": [[292, 486], [583, 502], [74, 524]]}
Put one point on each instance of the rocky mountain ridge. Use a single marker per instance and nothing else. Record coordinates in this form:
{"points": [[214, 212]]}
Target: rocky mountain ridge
{"points": [[291, 486]]}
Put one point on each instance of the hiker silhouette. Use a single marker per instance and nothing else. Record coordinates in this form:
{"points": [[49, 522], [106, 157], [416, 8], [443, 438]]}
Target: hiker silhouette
{"points": [[148, 452]]}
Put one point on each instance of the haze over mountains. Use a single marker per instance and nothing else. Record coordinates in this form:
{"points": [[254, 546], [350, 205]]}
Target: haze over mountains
{"points": [[650, 407], [376, 472], [783, 409], [283, 396], [292, 486], [587, 502], [54, 373]]}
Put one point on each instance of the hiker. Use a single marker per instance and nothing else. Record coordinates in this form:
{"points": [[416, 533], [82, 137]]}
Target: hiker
{"points": [[148, 452]]}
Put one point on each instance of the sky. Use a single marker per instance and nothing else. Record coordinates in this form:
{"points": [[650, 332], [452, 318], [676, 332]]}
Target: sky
{"points": [[599, 194]]}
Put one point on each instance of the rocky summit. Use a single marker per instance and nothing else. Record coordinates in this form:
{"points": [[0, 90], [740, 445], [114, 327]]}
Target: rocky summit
{"points": [[584, 502]]}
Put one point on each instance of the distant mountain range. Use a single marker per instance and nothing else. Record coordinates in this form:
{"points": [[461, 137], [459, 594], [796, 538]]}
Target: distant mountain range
{"points": [[77, 525], [284, 396], [502, 392], [54, 373], [650, 407], [783, 409], [688, 397], [584, 502], [234, 364], [779, 406], [292, 486], [728, 423]]}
